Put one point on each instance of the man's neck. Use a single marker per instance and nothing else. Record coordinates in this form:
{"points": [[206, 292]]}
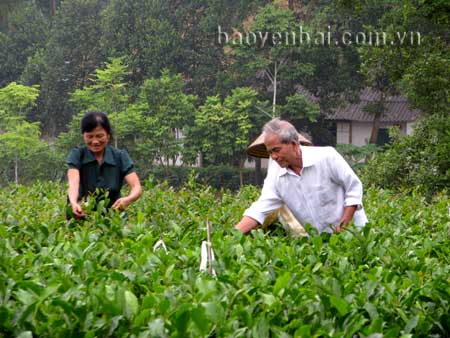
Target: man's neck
{"points": [[298, 166]]}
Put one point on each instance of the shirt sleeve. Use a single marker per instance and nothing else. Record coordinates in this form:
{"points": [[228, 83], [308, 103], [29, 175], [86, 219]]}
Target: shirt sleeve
{"points": [[269, 200], [127, 163], [73, 160], [343, 174]]}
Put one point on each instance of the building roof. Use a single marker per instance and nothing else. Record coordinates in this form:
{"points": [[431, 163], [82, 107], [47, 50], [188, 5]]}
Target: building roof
{"points": [[397, 109]]}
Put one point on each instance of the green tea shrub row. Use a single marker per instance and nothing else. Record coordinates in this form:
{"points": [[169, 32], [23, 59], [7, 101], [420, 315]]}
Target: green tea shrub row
{"points": [[101, 277], [218, 177]]}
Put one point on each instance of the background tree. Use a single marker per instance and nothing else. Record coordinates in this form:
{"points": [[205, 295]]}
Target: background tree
{"points": [[273, 53], [221, 130], [19, 139], [141, 33], [108, 93], [25, 35], [377, 78], [72, 53], [418, 60], [167, 111], [301, 111]]}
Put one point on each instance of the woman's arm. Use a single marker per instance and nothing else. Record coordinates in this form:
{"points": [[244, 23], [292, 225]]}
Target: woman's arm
{"points": [[136, 191], [73, 176]]}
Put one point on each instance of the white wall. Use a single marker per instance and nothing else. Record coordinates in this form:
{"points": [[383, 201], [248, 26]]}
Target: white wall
{"points": [[343, 132], [264, 163], [360, 131], [410, 127]]}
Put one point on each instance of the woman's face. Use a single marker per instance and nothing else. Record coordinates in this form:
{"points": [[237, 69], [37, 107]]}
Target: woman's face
{"points": [[96, 139]]}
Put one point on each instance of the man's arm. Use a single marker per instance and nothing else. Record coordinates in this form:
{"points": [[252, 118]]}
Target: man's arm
{"points": [[268, 201], [246, 224], [346, 218], [343, 174]]}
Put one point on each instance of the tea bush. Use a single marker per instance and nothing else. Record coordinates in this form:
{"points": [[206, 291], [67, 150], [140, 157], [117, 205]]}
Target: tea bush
{"points": [[101, 277]]}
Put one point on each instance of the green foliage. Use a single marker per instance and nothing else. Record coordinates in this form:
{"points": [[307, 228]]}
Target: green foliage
{"points": [[25, 33], [101, 277], [218, 177], [18, 143], [61, 52], [420, 160], [221, 131], [427, 81], [108, 91], [167, 111], [272, 55], [420, 69], [150, 126], [140, 32], [16, 101], [19, 139], [72, 53], [299, 108], [357, 156], [109, 94]]}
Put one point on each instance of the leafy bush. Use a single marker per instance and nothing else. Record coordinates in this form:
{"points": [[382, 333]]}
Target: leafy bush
{"points": [[101, 277], [45, 164], [357, 156], [420, 160], [219, 177]]}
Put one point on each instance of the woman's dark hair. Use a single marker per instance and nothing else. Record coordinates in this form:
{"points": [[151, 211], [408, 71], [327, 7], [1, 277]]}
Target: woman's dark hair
{"points": [[94, 119]]}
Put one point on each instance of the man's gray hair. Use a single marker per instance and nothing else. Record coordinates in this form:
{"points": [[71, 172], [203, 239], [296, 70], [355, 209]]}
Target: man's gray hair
{"points": [[283, 129]]}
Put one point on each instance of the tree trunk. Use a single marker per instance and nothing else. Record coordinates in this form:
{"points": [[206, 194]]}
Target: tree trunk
{"points": [[258, 173], [52, 7], [375, 128], [200, 159], [16, 170], [291, 4], [241, 174], [377, 120], [274, 100]]}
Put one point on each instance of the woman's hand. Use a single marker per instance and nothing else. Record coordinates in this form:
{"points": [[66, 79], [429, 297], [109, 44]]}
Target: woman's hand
{"points": [[77, 210], [121, 203], [136, 190], [73, 176]]}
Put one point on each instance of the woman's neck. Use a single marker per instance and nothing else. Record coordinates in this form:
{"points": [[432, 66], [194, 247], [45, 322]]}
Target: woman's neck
{"points": [[99, 156]]}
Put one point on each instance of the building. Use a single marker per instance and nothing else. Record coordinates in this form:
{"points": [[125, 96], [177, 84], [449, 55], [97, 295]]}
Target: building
{"points": [[354, 123]]}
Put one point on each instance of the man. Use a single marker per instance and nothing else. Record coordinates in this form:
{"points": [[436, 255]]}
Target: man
{"points": [[283, 214], [315, 183]]}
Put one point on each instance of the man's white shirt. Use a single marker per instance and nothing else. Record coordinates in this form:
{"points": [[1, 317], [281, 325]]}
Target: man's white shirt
{"points": [[317, 196]]}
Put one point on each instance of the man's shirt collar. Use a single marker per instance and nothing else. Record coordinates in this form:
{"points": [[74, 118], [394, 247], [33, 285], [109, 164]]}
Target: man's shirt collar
{"points": [[308, 159]]}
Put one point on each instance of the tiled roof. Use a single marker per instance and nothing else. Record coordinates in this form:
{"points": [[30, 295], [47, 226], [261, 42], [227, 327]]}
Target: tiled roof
{"points": [[397, 109]]}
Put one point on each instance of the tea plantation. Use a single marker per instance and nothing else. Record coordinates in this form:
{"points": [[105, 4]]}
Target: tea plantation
{"points": [[102, 277]]}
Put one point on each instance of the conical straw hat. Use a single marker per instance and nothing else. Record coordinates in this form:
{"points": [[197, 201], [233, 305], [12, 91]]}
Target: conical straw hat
{"points": [[258, 149]]}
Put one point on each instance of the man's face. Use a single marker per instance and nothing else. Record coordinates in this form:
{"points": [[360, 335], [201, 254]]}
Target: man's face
{"points": [[285, 154]]}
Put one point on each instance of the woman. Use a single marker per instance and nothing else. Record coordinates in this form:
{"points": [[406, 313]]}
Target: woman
{"points": [[97, 165]]}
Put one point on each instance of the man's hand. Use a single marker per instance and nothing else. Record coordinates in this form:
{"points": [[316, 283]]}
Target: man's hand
{"points": [[346, 218], [246, 224], [121, 204]]}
